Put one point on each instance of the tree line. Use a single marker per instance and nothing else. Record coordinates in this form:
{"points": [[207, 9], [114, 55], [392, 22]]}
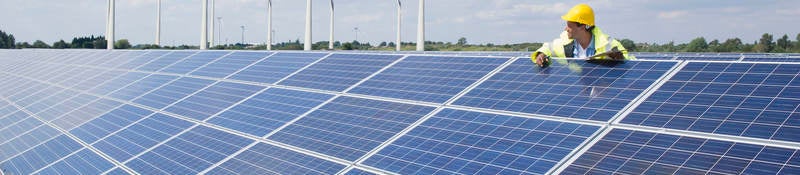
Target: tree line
{"points": [[766, 44]]}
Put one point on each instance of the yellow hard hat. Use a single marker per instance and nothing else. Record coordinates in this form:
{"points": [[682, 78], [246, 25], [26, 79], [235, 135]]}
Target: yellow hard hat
{"points": [[580, 13]]}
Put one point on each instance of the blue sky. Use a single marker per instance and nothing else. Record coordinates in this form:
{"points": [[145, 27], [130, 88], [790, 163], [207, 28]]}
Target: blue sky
{"points": [[480, 21]]}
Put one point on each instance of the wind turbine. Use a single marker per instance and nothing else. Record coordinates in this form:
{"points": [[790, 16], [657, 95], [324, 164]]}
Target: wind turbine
{"points": [[421, 27], [158, 24], [330, 42], [204, 27], [269, 24], [399, 19], [110, 26], [307, 44], [213, 8]]}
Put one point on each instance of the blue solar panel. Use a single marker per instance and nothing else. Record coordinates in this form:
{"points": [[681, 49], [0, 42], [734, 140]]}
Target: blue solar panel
{"points": [[41, 155], [165, 60], [85, 113], [189, 153], [339, 71], [710, 58], [772, 59], [92, 82], [463, 142], [193, 62], [268, 110], [349, 127], [65, 106], [117, 171], [356, 171], [27, 139], [110, 122], [267, 159], [214, 99], [637, 152], [140, 136], [172, 92], [431, 79], [742, 99], [141, 60], [277, 67], [142, 86], [230, 64], [82, 162], [111, 85], [46, 103], [575, 89]]}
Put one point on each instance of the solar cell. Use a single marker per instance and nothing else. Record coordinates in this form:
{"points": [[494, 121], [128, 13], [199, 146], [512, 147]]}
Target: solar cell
{"points": [[172, 92], [757, 100], [268, 110], [108, 123], [142, 60], [165, 60], [349, 127], [267, 159], [637, 152], [141, 86], [230, 64], [141, 136], [82, 162], [277, 66], [464, 142], [41, 155], [338, 72], [568, 88], [193, 62], [189, 153], [213, 99], [431, 79]]}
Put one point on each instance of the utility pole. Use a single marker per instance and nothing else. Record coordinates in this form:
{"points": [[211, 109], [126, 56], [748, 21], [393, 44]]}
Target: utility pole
{"points": [[242, 36], [219, 30]]}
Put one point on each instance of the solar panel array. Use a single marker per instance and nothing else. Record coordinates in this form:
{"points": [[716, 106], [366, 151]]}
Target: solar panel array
{"points": [[243, 112]]}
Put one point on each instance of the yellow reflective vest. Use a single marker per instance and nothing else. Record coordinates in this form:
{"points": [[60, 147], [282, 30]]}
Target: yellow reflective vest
{"points": [[562, 47]]}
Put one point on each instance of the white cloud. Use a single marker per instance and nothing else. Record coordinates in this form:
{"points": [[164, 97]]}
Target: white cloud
{"points": [[673, 14]]}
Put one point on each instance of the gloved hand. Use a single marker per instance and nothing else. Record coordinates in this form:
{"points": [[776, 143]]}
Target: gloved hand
{"points": [[542, 60], [616, 54]]}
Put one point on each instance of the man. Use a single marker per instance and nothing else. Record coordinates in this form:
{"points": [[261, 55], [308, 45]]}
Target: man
{"points": [[581, 39]]}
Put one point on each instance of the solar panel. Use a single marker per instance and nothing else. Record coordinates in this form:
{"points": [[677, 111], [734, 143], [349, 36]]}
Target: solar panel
{"points": [[337, 72], [246, 112], [709, 58], [349, 127], [568, 88], [758, 100], [277, 67], [637, 152], [431, 79], [464, 142], [772, 59], [268, 110], [189, 153], [267, 159], [230, 64]]}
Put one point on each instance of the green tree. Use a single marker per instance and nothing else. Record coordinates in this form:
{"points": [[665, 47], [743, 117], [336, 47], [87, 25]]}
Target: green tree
{"points": [[628, 44], [61, 44], [462, 41], [784, 43], [347, 46], [23, 45], [714, 46], [122, 44], [765, 44], [40, 44], [731, 45], [697, 45], [7, 40]]}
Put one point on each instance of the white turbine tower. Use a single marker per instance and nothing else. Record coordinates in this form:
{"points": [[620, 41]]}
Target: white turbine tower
{"points": [[307, 44], [110, 26], [204, 27], [421, 27], [399, 19], [330, 42], [158, 24], [269, 24], [211, 39]]}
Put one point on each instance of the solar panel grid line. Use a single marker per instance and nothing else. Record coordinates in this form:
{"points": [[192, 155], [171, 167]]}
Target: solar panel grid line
{"points": [[163, 53], [109, 57], [578, 152], [375, 73], [18, 135], [29, 146], [65, 133], [648, 92], [168, 63], [211, 60], [362, 168], [124, 59]]}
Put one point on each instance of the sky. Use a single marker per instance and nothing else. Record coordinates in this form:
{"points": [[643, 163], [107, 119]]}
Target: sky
{"points": [[479, 21]]}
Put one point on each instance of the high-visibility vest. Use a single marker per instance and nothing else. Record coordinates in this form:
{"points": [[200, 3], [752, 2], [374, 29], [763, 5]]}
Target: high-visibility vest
{"points": [[562, 47]]}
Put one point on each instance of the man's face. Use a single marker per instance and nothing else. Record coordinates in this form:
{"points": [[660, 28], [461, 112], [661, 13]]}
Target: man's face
{"points": [[572, 28]]}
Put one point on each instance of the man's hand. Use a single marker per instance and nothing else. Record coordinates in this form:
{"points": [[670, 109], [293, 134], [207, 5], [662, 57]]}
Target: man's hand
{"points": [[542, 60], [616, 54]]}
